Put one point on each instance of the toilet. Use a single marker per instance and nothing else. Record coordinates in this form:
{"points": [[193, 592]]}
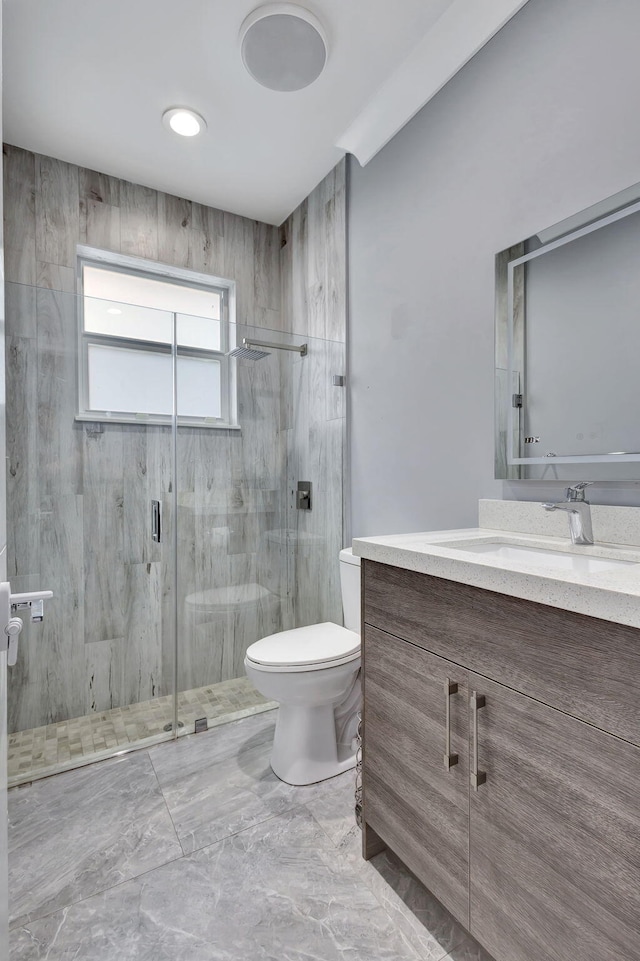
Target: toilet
{"points": [[314, 674]]}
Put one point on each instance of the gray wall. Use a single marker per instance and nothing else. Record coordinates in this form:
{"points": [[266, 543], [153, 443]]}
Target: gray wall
{"points": [[540, 124], [80, 495]]}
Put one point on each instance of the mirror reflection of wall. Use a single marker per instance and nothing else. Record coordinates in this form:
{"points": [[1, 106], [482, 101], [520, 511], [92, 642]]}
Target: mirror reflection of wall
{"points": [[567, 344], [582, 345]]}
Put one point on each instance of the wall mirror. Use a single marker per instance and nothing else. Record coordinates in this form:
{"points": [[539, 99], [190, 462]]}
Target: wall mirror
{"points": [[567, 387]]}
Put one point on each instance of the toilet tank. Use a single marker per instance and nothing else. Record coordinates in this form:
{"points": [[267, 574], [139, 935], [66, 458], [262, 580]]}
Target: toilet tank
{"points": [[350, 587]]}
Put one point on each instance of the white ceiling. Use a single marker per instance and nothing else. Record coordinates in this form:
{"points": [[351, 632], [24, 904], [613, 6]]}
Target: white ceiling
{"points": [[87, 81]]}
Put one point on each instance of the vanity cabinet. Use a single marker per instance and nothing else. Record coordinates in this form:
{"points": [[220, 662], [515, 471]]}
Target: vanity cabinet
{"points": [[542, 861], [554, 835], [417, 775]]}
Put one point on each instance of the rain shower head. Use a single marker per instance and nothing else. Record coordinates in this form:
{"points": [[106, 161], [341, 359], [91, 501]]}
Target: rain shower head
{"points": [[252, 349], [248, 353]]}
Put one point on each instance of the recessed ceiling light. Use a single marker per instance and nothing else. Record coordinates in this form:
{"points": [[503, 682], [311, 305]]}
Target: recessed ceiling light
{"points": [[113, 310], [184, 121], [283, 46]]}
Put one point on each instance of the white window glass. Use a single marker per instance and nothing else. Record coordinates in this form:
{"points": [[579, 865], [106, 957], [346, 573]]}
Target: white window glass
{"points": [[138, 382], [130, 381], [199, 385], [126, 288], [116, 319], [198, 332]]}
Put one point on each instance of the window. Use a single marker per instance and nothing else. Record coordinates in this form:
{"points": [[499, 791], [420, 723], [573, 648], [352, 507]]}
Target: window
{"points": [[130, 310]]}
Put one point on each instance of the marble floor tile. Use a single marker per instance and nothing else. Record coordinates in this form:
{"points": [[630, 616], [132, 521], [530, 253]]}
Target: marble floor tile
{"points": [[83, 831], [219, 783], [333, 807], [276, 891], [425, 923]]}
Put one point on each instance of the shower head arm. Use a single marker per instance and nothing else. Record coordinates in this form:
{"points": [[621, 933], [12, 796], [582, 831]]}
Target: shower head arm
{"points": [[300, 349]]}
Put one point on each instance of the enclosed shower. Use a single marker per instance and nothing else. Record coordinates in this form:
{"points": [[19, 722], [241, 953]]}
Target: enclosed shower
{"points": [[156, 452]]}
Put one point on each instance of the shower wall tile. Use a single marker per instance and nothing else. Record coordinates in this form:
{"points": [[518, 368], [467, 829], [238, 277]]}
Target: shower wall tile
{"points": [[19, 215], [267, 319], [103, 533], [57, 213], [239, 263], [21, 316], [142, 651], [99, 224], [103, 675], [59, 439], [296, 234], [207, 241], [137, 543], [174, 227], [56, 662], [336, 282], [23, 536], [312, 266], [316, 265], [138, 221], [266, 240], [98, 187], [55, 277]]}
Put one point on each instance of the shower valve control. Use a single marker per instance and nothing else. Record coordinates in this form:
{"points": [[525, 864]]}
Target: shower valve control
{"points": [[33, 604], [10, 604], [303, 496]]}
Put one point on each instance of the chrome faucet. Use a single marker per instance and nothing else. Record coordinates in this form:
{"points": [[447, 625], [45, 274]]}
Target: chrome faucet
{"points": [[579, 510]]}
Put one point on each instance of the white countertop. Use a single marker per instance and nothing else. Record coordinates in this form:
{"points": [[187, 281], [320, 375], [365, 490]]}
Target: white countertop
{"points": [[613, 595]]}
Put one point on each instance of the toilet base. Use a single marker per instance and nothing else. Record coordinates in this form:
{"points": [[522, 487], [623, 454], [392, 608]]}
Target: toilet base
{"points": [[304, 745]]}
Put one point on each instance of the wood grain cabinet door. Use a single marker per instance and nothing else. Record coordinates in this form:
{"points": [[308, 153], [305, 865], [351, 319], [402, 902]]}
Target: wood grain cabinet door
{"points": [[555, 835], [419, 807]]}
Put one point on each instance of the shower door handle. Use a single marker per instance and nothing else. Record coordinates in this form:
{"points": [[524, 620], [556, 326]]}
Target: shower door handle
{"points": [[156, 521]]}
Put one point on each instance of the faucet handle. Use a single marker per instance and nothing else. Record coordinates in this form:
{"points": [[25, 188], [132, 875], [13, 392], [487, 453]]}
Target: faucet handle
{"points": [[576, 492]]}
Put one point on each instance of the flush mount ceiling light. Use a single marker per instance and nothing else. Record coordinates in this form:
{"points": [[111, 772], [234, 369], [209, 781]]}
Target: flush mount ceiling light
{"points": [[284, 47], [184, 121]]}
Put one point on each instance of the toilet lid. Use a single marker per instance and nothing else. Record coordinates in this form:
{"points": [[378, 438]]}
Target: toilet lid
{"points": [[224, 599], [318, 643]]}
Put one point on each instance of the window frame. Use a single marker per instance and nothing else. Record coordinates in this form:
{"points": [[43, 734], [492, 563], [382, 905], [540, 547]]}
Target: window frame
{"points": [[93, 257]]}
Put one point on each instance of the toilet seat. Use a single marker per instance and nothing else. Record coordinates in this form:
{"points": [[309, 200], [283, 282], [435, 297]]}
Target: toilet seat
{"points": [[312, 648]]}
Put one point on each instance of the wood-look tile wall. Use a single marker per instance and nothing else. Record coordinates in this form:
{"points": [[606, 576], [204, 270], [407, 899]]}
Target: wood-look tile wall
{"points": [[313, 276], [79, 494]]}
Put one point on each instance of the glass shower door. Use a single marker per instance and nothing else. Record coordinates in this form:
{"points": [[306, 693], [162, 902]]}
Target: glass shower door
{"points": [[250, 563], [96, 676], [232, 578]]}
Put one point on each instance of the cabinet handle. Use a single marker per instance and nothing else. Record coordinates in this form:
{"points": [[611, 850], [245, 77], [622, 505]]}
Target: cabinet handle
{"points": [[450, 688], [477, 777]]}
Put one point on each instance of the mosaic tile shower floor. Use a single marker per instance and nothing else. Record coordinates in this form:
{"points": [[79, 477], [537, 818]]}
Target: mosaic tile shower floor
{"points": [[41, 751]]}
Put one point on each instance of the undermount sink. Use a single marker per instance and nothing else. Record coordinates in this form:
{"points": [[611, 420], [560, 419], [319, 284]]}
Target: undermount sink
{"points": [[541, 557]]}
